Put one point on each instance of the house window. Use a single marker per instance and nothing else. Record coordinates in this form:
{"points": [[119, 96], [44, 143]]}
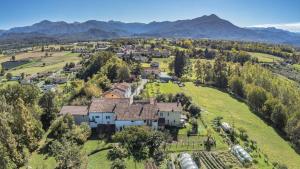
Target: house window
{"points": [[168, 113], [97, 117], [107, 117], [161, 114]]}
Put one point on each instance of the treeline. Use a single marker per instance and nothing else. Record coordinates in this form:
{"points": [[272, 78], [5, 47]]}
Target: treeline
{"points": [[283, 51], [273, 98], [20, 125]]}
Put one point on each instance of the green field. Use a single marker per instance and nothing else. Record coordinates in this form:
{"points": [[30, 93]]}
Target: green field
{"points": [[163, 63], [217, 103], [262, 57], [52, 63], [296, 66]]}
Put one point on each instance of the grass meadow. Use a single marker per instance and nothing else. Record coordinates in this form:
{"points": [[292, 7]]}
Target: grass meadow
{"points": [[217, 103]]}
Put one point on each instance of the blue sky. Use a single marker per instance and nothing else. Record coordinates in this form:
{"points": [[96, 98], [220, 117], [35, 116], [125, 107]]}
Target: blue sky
{"points": [[280, 13]]}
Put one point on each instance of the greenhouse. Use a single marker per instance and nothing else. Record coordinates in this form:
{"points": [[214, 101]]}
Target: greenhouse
{"points": [[241, 154], [186, 161]]}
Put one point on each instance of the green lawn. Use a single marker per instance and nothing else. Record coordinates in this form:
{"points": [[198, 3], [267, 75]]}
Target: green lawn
{"points": [[217, 103], [95, 161], [262, 57], [99, 160], [53, 63]]}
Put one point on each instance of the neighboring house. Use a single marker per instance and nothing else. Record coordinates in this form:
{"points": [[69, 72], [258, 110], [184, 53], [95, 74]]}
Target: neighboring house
{"points": [[154, 71], [102, 111], [80, 113], [171, 113], [60, 80], [164, 77], [49, 87], [119, 90]]}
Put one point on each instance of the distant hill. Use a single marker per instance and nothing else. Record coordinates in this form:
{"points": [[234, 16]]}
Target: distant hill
{"points": [[210, 26], [1, 31]]}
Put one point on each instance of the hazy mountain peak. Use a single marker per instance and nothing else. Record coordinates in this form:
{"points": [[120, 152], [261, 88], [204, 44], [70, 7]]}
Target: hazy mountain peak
{"points": [[207, 26]]}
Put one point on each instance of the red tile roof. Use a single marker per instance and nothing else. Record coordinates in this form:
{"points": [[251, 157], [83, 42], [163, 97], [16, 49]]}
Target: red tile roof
{"points": [[136, 112], [106, 104], [169, 107], [74, 110]]}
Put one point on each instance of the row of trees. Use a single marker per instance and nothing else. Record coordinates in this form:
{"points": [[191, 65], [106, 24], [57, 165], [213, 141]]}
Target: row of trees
{"points": [[216, 73], [275, 98], [284, 51]]}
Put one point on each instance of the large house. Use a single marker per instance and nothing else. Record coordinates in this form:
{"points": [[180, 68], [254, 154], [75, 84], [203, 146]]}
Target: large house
{"points": [[119, 90], [120, 113], [102, 111]]}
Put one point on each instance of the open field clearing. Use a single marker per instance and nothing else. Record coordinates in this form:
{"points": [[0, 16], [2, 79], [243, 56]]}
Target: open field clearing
{"points": [[163, 63], [52, 63], [265, 57], [216, 103]]}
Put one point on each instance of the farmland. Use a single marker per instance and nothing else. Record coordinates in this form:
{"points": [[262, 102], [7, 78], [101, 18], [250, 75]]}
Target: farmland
{"points": [[266, 58], [40, 63], [216, 103]]}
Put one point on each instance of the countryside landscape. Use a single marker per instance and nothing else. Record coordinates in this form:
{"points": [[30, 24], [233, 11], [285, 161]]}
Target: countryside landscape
{"points": [[201, 91]]}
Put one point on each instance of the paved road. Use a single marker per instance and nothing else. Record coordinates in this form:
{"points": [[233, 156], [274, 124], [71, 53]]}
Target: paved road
{"points": [[138, 90]]}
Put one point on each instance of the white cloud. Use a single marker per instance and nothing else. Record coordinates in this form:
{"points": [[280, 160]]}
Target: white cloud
{"points": [[293, 27]]}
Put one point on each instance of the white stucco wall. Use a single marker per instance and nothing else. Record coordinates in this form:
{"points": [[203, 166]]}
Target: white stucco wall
{"points": [[101, 118], [171, 118]]}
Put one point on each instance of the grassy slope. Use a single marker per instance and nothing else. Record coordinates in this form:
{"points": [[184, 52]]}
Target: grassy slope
{"points": [[265, 57], [217, 103]]}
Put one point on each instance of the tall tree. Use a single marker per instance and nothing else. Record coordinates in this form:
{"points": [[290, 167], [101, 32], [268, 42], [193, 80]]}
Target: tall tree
{"points": [[179, 63], [48, 103], [123, 73], [28, 129], [220, 72]]}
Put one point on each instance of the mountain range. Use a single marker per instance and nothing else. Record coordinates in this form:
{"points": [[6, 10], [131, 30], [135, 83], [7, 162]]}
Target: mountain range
{"points": [[207, 26]]}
